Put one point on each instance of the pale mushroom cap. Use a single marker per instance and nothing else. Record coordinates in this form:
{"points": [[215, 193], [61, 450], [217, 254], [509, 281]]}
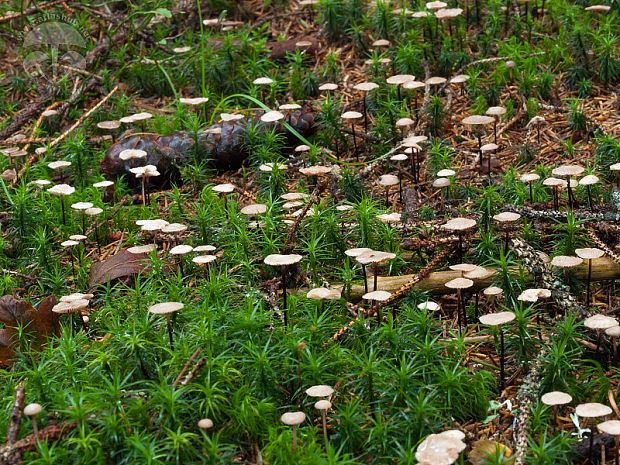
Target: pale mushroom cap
{"points": [[507, 217], [328, 86], [448, 13], [439, 449], [204, 259], [141, 116], [592, 410], [459, 283], [41, 182], [351, 115], [282, 260], [56, 165], [225, 188], [269, 167], [323, 293], [598, 8], [611, 427], [131, 154], [381, 43], [205, 248], [567, 170], [81, 205], [387, 180], [181, 249], [489, 147], [140, 249], [344, 208], [366, 86], [76, 296], [429, 305], [320, 390], [272, 116], [375, 256], [615, 167], [294, 196], [69, 243], [61, 190], [227, 117], [446, 173], [302, 148], [478, 273], [400, 79], [459, 79], [399, 157], [193, 100], [390, 218], [556, 398], [356, 252], [478, 120], [293, 418], [529, 177], [435, 80], [589, 180], [589, 253], [496, 111], [164, 308], [254, 209], [614, 331], [459, 224], [465, 267], [315, 170], [566, 261], [379, 296], [262, 81], [554, 182], [420, 14], [493, 291], [599, 321], [102, 184], [412, 85], [70, 307], [205, 423], [440, 183], [152, 225], [174, 228], [532, 295], [93, 211], [323, 404], [496, 319], [78, 237], [33, 409], [414, 140], [181, 49], [109, 125], [436, 5], [403, 122]]}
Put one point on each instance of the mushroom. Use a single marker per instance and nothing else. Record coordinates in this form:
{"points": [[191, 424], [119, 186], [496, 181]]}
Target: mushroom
{"points": [[82, 207], [478, 122], [477, 273], [441, 449], [496, 113], [272, 116], [599, 323], [31, 411], [356, 252], [566, 262], [399, 80], [377, 296], [205, 424], [376, 258], [506, 221], [323, 406], [589, 253], [144, 173], [414, 86], [399, 158], [555, 184], [498, 319], [283, 261], [110, 126], [568, 171], [488, 148], [592, 410], [180, 251], [322, 294], [459, 226], [62, 190], [352, 116], [169, 309], [611, 427], [365, 88], [555, 398], [224, 190], [293, 419], [614, 334], [493, 293], [442, 184], [459, 284], [386, 181], [528, 179], [588, 181]]}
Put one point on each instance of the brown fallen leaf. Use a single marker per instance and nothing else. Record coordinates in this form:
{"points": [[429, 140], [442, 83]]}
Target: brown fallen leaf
{"points": [[485, 451], [39, 323], [121, 265]]}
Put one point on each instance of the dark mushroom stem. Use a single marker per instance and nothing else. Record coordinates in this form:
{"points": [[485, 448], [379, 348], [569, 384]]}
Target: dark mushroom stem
{"points": [[169, 324], [365, 274], [591, 446], [324, 421], [284, 305], [62, 209], [365, 111], [531, 192], [458, 308], [501, 359], [375, 273], [357, 156], [570, 194], [588, 281]]}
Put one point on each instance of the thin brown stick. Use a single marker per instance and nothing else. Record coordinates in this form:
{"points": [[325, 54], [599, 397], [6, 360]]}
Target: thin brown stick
{"points": [[16, 413], [190, 376], [30, 10], [186, 366]]}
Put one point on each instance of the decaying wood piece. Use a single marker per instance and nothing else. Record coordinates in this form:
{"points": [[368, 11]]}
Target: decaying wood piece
{"points": [[16, 413], [603, 269], [11, 454]]}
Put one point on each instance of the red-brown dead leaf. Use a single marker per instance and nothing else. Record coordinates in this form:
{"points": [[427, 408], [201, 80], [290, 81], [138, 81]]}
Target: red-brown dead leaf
{"points": [[121, 265]]}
